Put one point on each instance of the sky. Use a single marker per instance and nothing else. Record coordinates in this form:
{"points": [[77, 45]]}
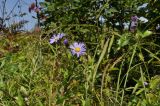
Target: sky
{"points": [[24, 4]]}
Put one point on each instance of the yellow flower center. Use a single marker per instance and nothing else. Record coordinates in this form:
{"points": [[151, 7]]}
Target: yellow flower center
{"points": [[77, 49]]}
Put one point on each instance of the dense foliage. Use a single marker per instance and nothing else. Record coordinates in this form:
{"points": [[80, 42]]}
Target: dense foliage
{"points": [[90, 53]]}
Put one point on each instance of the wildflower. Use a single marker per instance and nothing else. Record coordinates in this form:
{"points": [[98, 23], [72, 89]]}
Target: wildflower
{"points": [[56, 37], [78, 49], [143, 19], [134, 18], [61, 35], [133, 24], [65, 42]]}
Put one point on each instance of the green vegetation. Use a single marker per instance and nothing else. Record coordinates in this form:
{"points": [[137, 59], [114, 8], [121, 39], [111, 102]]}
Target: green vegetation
{"points": [[117, 66]]}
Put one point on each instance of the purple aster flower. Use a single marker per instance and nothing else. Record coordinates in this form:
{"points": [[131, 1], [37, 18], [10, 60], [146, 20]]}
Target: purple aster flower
{"points": [[78, 49], [134, 18], [60, 35], [65, 42], [54, 38], [133, 24]]}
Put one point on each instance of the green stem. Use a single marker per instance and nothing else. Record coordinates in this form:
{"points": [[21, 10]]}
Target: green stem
{"points": [[134, 51]]}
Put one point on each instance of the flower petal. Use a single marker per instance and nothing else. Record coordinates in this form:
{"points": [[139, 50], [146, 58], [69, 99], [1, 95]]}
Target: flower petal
{"points": [[78, 45]]}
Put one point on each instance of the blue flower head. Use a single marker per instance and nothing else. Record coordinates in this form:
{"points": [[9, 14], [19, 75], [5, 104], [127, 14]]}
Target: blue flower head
{"points": [[133, 24], [60, 35], [134, 18], [78, 49], [65, 42], [56, 37]]}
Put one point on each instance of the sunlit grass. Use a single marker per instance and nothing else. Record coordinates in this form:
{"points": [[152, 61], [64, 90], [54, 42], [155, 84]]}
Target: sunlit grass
{"points": [[36, 73], [27, 76]]}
